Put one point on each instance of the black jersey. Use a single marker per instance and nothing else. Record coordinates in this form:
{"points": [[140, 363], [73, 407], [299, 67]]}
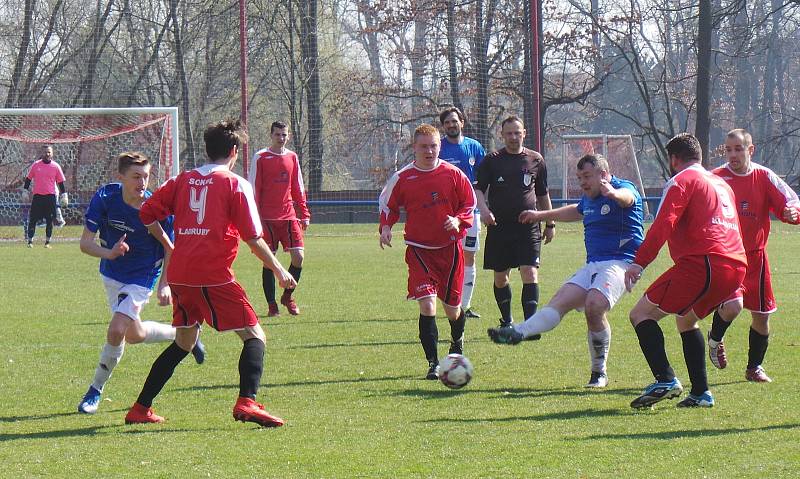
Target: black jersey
{"points": [[511, 182]]}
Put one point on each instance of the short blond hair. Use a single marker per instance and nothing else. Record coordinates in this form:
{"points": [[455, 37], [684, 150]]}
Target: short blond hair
{"points": [[425, 129], [130, 158]]}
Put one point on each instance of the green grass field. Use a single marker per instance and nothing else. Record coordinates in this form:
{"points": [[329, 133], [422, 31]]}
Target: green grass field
{"points": [[346, 375]]}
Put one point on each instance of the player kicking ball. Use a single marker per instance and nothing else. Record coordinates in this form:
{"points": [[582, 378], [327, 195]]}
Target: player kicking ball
{"points": [[611, 211], [213, 209], [131, 261]]}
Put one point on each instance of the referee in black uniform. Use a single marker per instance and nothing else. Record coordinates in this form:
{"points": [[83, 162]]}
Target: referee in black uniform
{"points": [[509, 181]]}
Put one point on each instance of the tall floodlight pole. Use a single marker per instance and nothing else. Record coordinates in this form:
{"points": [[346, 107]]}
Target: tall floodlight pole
{"points": [[243, 78], [536, 67]]}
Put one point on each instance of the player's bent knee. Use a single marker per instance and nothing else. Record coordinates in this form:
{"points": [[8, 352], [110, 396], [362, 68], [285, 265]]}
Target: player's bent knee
{"points": [[252, 332], [186, 338]]}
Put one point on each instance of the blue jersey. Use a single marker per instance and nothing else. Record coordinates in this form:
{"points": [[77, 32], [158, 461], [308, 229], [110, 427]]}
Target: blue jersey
{"points": [[466, 155], [610, 231], [112, 217]]}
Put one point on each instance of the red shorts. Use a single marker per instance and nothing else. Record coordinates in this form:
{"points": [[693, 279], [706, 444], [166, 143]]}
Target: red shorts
{"points": [[287, 232], [757, 284], [223, 307], [436, 272], [696, 283]]}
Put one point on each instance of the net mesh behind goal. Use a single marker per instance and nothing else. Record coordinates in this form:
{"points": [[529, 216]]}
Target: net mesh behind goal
{"points": [[86, 144], [616, 149]]}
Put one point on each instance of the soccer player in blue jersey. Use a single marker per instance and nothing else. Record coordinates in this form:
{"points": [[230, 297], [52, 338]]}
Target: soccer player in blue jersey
{"points": [[131, 261], [611, 210], [465, 153]]}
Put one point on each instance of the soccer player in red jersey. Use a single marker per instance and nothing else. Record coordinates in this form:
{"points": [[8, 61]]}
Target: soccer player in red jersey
{"points": [[213, 209], [697, 218], [46, 175], [439, 203], [281, 200], [759, 192]]}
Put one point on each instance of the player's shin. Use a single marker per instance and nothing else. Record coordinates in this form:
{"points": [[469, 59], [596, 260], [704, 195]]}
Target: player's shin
{"points": [[162, 369], [530, 299], [457, 327], [109, 358], [251, 366], [651, 340], [694, 353], [599, 344], [268, 283], [758, 348], [544, 320], [429, 337], [718, 327], [155, 332], [503, 298], [469, 284]]}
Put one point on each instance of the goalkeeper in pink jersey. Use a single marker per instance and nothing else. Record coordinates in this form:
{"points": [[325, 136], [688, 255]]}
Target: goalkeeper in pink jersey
{"points": [[46, 176], [759, 192]]}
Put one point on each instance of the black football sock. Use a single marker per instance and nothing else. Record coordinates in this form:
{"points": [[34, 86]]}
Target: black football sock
{"points": [[718, 327], [268, 283], [251, 366], [758, 348], [530, 299], [651, 340], [160, 372], [694, 353], [295, 272], [429, 337], [457, 327], [48, 229], [503, 298]]}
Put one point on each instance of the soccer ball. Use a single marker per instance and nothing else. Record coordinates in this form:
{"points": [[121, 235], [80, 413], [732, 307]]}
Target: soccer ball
{"points": [[455, 371]]}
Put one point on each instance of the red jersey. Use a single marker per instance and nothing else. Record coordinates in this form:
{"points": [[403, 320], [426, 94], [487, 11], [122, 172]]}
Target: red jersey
{"points": [[428, 197], [278, 185], [45, 176], [213, 208], [696, 217], [758, 193]]}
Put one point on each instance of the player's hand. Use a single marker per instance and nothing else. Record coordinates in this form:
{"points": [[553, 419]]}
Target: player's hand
{"points": [[606, 189], [25, 196], [487, 218], [119, 248], [304, 223], [164, 295], [632, 275], [529, 216], [386, 237], [285, 280], [790, 214], [64, 200], [549, 234], [451, 223]]}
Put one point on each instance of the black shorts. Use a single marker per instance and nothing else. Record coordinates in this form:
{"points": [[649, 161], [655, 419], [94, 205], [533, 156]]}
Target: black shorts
{"points": [[43, 207], [511, 245]]}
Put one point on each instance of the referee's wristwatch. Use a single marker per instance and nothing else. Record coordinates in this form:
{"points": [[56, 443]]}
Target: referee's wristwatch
{"points": [[550, 226]]}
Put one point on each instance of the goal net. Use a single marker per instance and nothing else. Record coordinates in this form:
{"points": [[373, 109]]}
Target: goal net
{"points": [[616, 149], [86, 143]]}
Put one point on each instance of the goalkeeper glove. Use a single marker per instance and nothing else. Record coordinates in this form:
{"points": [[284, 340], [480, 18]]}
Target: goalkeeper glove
{"points": [[64, 200], [25, 196]]}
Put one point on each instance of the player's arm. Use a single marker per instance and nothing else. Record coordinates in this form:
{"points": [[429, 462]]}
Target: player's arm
{"points": [[543, 203], [481, 187], [162, 288], [465, 214], [299, 195], [389, 210], [783, 201], [673, 205], [565, 213], [259, 248], [623, 197], [90, 246]]}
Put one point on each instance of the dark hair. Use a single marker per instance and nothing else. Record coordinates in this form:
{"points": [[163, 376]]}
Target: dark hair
{"points": [[221, 137], [686, 147], [129, 158], [596, 161], [747, 138], [510, 119], [277, 125], [447, 111]]}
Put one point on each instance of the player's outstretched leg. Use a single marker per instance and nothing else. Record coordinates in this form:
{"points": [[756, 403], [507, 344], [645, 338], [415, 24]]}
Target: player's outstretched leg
{"points": [[109, 358], [658, 391], [199, 351], [508, 335]]}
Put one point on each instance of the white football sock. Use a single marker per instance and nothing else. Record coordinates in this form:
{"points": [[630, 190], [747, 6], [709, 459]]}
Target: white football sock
{"points": [[469, 284], [545, 319], [599, 344], [109, 358], [157, 332]]}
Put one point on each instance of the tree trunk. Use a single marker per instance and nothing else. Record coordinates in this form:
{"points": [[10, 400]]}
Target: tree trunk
{"points": [[185, 105], [771, 68], [310, 51], [480, 55], [419, 59], [704, 31], [744, 69], [452, 60], [19, 64]]}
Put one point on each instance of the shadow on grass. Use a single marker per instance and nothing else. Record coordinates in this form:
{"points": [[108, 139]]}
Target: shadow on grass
{"points": [[666, 435], [513, 393], [555, 416], [352, 345], [83, 431], [309, 382], [37, 417], [272, 322]]}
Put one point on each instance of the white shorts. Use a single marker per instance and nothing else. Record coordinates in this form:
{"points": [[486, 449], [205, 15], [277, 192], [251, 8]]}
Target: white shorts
{"points": [[607, 277], [472, 242], [128, 299]]}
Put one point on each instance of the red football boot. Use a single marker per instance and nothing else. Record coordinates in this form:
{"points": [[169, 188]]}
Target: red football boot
{"points": [[139, 414], [247, 410]]}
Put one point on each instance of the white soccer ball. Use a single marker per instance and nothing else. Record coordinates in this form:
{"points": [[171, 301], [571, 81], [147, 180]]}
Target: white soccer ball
{"points": [[455, 371]]}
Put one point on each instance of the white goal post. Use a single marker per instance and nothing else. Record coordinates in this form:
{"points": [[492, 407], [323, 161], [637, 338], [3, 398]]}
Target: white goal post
{"points": [[86, 143]]}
